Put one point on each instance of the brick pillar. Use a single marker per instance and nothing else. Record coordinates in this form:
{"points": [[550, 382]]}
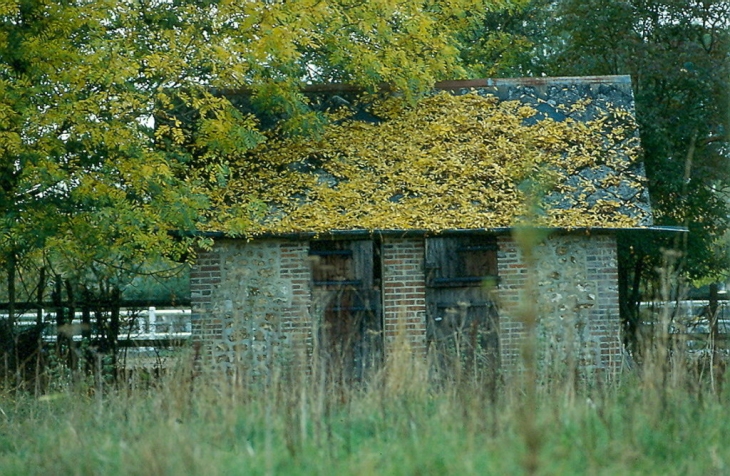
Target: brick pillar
{"points": [[605, 321], [295, 270], [404, 292], [512, 273], [205, 277]]}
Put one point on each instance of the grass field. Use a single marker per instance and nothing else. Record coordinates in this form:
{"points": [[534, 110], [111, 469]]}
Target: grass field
{"points": [[646, 422]]}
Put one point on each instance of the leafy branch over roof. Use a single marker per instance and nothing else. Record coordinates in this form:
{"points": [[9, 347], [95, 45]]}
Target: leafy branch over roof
{"points": [[454, 160]]}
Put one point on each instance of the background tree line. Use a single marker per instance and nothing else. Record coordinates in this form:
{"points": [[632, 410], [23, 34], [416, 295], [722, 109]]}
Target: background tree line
{"points": [[113, 133]]}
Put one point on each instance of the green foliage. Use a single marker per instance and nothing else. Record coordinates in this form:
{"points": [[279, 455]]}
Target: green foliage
{"points": [[85, 179], [111, 134], [172, 286], [507, 43]]}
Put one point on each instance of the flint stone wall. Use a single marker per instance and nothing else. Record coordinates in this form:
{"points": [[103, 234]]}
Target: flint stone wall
{"points": [[251, 303], [577, 302]]}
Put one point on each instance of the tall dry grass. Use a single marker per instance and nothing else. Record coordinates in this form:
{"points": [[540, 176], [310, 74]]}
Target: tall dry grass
{"points": [[399, 421], [660, 418]]}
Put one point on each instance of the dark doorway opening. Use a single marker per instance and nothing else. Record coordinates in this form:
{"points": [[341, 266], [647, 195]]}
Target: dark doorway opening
{"points": [[347, 306], [461, 316]]}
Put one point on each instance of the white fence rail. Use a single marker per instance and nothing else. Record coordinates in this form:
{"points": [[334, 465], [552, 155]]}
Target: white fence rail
{"points": [[135, 324]]}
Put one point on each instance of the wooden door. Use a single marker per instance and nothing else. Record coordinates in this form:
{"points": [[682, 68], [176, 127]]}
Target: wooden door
{"points": [[462, 317], [346, 297]]}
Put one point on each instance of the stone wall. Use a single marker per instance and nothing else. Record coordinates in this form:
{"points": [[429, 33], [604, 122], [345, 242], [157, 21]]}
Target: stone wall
{"points": [[577, 302], [251, 303]]}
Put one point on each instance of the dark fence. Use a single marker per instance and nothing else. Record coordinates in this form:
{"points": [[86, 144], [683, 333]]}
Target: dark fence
{"points": [[125, 335], [700, 325]]}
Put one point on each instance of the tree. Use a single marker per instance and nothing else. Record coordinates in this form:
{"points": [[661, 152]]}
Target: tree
{"points": [[509, 42], [87, 193], [112, 132]]}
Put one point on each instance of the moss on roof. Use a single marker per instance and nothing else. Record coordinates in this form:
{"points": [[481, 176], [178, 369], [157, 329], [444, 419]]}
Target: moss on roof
{"points": [[561, 155]]}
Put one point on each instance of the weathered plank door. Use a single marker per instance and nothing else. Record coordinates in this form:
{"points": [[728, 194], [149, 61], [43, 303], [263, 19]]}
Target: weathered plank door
{"points": [[346, 305], [462, 318]]}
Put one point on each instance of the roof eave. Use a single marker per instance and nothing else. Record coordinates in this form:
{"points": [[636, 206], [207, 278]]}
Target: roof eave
{"points": [[367, 234]]}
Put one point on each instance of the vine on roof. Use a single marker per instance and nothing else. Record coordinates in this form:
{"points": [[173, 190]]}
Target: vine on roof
{"points": [[448, 162]]}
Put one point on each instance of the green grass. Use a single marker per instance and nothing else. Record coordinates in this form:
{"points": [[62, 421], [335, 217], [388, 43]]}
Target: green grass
{"points": [[399, 424]]}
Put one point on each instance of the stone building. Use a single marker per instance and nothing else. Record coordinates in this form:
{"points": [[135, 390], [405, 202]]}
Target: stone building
{"points": [[416, 226]]}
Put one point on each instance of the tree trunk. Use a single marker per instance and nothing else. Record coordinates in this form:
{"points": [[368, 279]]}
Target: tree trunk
{"points": [[7, 326], [11, 289], [71, 313], [86, 316], [630, 301], [114, 324], [86, 328], [56, 297], [716, 357], [714, 305], [39, 296]]}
